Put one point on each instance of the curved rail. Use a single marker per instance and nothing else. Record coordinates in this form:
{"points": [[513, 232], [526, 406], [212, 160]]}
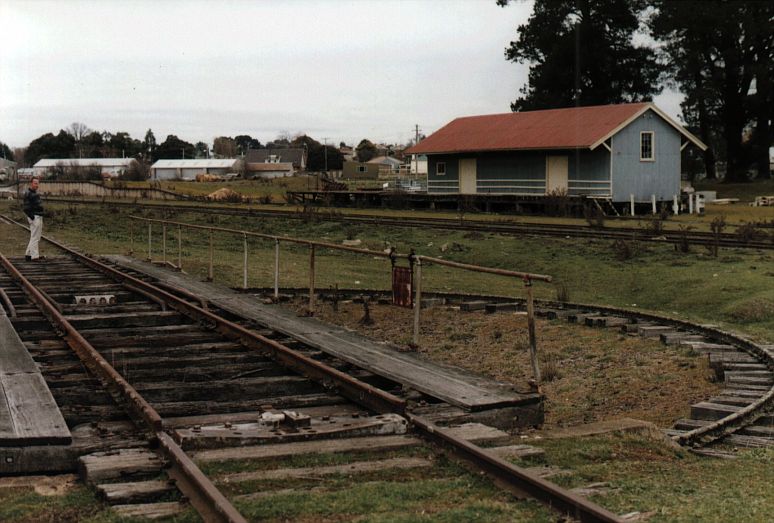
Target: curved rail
{"points": [[501, 227]]}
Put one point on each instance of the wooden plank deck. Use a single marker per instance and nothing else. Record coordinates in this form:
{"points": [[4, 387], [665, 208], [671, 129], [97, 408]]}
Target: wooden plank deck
{"points": [[447, 383], [28, 413]]}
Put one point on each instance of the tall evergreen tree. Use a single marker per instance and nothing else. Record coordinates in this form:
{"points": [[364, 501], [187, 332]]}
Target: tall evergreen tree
{"points": [[716, 49], [581, 52]]}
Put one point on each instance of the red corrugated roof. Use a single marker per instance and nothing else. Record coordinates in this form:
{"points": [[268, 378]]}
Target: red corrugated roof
{"points": [[576, 127]]}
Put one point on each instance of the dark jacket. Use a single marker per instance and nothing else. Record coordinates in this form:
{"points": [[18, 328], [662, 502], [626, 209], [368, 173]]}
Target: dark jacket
{"points": [[32, 204]]}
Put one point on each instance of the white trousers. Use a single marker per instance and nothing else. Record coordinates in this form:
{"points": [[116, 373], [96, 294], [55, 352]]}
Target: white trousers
{"points": [[36, 229]]}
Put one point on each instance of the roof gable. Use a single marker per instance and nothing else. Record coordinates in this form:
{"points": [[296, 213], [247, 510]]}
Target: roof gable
{"points": [[571, 128]]}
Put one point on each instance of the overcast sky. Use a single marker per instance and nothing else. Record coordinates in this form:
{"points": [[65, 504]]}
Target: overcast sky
{"points": [[341, 70]]}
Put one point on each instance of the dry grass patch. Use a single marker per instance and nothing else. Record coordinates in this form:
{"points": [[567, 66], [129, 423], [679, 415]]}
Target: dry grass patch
{"points": [[595, 374]]}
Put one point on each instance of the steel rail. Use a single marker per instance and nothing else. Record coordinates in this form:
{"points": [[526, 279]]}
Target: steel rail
{"points": [[666, 236], [515, 477], [200, 491]]}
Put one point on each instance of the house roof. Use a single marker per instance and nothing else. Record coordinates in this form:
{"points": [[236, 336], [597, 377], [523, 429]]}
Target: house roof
{"points": [[385, 160], [85, 162], [223, 163], [571, 128], [294, 155]]}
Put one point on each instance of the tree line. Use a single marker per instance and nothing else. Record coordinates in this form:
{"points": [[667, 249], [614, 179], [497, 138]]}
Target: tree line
{"points": [[718, 53], [79, 141]]}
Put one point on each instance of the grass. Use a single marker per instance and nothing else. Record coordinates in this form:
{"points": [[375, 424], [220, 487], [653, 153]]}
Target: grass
{"points": [[648, 474], [725, 290]]}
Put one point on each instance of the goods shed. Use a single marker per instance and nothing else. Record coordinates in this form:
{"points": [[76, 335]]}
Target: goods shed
{"points": [[612, 152], [188, 169]]}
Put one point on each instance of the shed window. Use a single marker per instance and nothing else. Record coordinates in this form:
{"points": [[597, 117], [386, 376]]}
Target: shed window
{"points": [[362, 168], [647, 153], [440, 169]]}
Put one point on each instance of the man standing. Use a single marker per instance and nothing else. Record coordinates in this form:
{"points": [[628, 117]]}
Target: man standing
{"points": [[33, 208]]}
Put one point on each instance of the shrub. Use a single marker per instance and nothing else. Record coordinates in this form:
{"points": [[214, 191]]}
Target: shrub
{"points": [[594, 216], [749, 232], [625, 249], [562, 292], [549, 368]]}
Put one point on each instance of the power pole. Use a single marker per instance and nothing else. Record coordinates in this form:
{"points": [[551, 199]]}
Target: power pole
{"points": [[416, 156]]}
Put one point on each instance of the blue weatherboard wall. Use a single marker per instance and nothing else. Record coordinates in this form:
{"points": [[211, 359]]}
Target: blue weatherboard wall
{"points": [[643, 179]]}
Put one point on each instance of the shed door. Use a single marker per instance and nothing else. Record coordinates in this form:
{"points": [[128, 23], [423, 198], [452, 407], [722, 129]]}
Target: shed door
{"points": [[556, 173], [468, 176]]}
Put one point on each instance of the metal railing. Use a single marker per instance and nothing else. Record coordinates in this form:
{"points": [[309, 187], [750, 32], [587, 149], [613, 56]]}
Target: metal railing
{"points": [[415, 260]]}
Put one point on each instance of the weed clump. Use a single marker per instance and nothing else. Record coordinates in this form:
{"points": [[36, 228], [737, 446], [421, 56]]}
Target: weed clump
{"points": [[624, 250], [751, 311]]}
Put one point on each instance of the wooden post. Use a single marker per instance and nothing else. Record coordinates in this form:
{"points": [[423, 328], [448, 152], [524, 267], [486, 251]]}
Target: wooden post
{"points": [[631, 204], [531, 328], [210, 275], [417, 300], [164, 243], [311, 279], [276, 268], [690, 203], [244, 272], [675, 205], [179, 248], [150, 225], [653, 202]]}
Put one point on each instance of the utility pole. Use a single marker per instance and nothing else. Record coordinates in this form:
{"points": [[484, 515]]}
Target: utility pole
{"points": [[416, 156], [325, 151]]}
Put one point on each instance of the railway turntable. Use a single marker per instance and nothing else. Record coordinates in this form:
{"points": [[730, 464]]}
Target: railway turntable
{"points": [[465, 396]]}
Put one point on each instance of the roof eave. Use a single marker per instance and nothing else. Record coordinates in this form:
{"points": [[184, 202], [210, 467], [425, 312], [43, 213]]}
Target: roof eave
{"points": [[509, 149], [650, 106]]}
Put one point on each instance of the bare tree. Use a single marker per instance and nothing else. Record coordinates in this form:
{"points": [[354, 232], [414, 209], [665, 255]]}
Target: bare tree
{"points": [[78, 130]]}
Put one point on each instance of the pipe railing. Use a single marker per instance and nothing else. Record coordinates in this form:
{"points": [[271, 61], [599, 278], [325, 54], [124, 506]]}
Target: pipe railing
{"points": [[414, 260]]}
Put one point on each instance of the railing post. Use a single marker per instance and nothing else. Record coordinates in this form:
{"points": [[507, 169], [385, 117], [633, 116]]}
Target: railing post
{"points": [[209, 269], [631, 204], [244, 275], [311, 279], [164, 242], [150, 225], [276, 268], [417, 300], [531, 329], [179, 248]]}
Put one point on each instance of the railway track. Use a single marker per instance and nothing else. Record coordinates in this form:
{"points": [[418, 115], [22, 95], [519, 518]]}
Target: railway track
{"points": [[742, 414], [156, 373], [762, 241]]}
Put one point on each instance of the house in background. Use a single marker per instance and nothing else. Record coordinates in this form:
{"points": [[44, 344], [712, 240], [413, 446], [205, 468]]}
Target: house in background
{"points": [[360, 171], [417, 164], [387, 164], [7, 170], [611, 151], [188, 169], [295, 156], [108, 167], [268, 170]]}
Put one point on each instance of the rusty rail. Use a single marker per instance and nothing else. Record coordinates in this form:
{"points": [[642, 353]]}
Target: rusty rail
{"points": [[8, 303], [369, 252], [361, 393], [516, 478], [204, 496]]}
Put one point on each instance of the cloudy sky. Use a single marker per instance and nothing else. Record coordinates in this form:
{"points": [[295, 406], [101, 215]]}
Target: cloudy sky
{"points": [[341, 70]]}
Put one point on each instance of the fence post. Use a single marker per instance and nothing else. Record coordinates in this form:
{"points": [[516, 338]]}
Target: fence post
{"points": [[531, 329], [276, 268], [150, 225], [244, 272], [311, 279], [690, 203], [164, 242], [179, 247], [675, 205], [209, 269], [417, 300], [631, 204], [653, 202]]}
